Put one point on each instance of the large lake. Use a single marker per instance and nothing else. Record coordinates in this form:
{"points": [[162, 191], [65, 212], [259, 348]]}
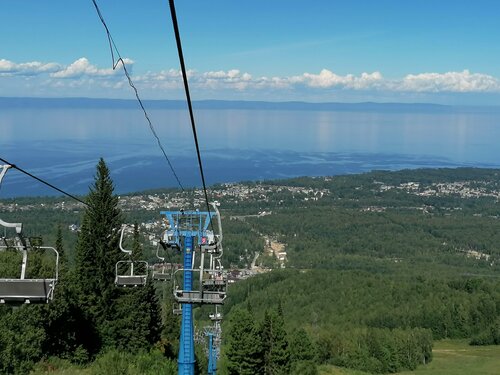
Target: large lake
{"points": [[64, 145]]}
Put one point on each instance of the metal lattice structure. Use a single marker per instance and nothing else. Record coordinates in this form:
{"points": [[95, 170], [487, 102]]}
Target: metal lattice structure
{"points": [[213, 334], [201, 280]]}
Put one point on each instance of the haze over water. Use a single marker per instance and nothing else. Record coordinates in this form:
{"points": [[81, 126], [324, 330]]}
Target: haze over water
{"points": [[63, 145]]}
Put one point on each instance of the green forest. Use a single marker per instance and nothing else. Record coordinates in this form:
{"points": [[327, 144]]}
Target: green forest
{"points": [[90, 319], [378, 267]]}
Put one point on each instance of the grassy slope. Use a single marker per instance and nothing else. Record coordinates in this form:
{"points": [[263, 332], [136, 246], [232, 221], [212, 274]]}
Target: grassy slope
{"points": [[451, 357]]}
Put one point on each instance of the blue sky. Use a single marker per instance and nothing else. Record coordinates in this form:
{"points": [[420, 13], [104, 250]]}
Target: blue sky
{"points": [[321, 50]]}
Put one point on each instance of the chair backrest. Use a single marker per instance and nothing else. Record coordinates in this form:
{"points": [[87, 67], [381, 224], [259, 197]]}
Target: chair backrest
{"points": [[131, 277], [15, 290]]}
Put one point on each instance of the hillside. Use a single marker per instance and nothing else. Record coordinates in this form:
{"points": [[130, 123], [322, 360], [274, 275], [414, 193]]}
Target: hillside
{"points": [[376, 266]]}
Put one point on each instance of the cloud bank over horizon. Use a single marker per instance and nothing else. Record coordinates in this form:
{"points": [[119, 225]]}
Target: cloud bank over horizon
{"points": [[71, 79]]}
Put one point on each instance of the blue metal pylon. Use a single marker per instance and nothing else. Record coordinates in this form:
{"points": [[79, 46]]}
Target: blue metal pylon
{"points": [[191, 225], [186, 359], [212, 360]]}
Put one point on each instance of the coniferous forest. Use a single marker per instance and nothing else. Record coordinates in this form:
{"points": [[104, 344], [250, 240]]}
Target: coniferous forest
{"points": [[378, 267], [90, 316]]}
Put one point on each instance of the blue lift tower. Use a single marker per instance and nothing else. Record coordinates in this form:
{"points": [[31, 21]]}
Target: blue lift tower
{"points": [[213, 333], [189, 231]]}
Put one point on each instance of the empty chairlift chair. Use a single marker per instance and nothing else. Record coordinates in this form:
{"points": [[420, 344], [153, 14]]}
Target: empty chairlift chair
{"points": [[162, 271], [24, 289], [216, 316], [136, 271], [199, 296], [177, 310]]}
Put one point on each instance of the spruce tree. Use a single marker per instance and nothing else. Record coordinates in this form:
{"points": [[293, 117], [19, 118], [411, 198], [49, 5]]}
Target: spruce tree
{"points": [[275, 343], [97, 252], [135, 322], [63, 258], [60, 246], [171, 323], [244, 354], [147, 297], [61, 318], [302, 353], [301, 347]]}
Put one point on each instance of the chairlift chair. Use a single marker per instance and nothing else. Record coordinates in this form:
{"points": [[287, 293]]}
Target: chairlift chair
{"points": [[131, 278], [211, 243], [177, 310], [25, 290], [200, 295], [216, 316], [162, 275], [171, 238], [217, 280], [28, 290], [162, 271]]}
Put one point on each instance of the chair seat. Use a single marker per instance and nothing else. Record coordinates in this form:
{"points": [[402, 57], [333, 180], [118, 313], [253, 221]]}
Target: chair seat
{"points": [[209, 297], [26, 291], [135, 280], [162, 276], [214, 282]]}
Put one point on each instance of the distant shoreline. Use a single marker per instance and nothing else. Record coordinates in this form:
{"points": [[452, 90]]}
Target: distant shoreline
{"points": [[101, 103]]}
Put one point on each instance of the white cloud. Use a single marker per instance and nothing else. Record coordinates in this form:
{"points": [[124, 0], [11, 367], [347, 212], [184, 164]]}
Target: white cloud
{"points": [[232, 79], [327, 79], [230, 74], [82, 67], [464, 81], [218, 74], [82, 73], [8, 68]]}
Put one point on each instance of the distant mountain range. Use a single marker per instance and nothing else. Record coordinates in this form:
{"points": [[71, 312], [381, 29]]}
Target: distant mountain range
{"points": [[92, 103]]}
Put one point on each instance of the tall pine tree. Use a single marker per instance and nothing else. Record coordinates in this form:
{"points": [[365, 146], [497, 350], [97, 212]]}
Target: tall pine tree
{"points": [[97, 252], [275, 343], [136, 318], [302, 353], [244, 354], [60, 246], [62, 314]]}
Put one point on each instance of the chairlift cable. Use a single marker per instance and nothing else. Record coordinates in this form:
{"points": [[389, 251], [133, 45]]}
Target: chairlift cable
{"points": [[188, 98], [44, 182], [113, 49]]}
